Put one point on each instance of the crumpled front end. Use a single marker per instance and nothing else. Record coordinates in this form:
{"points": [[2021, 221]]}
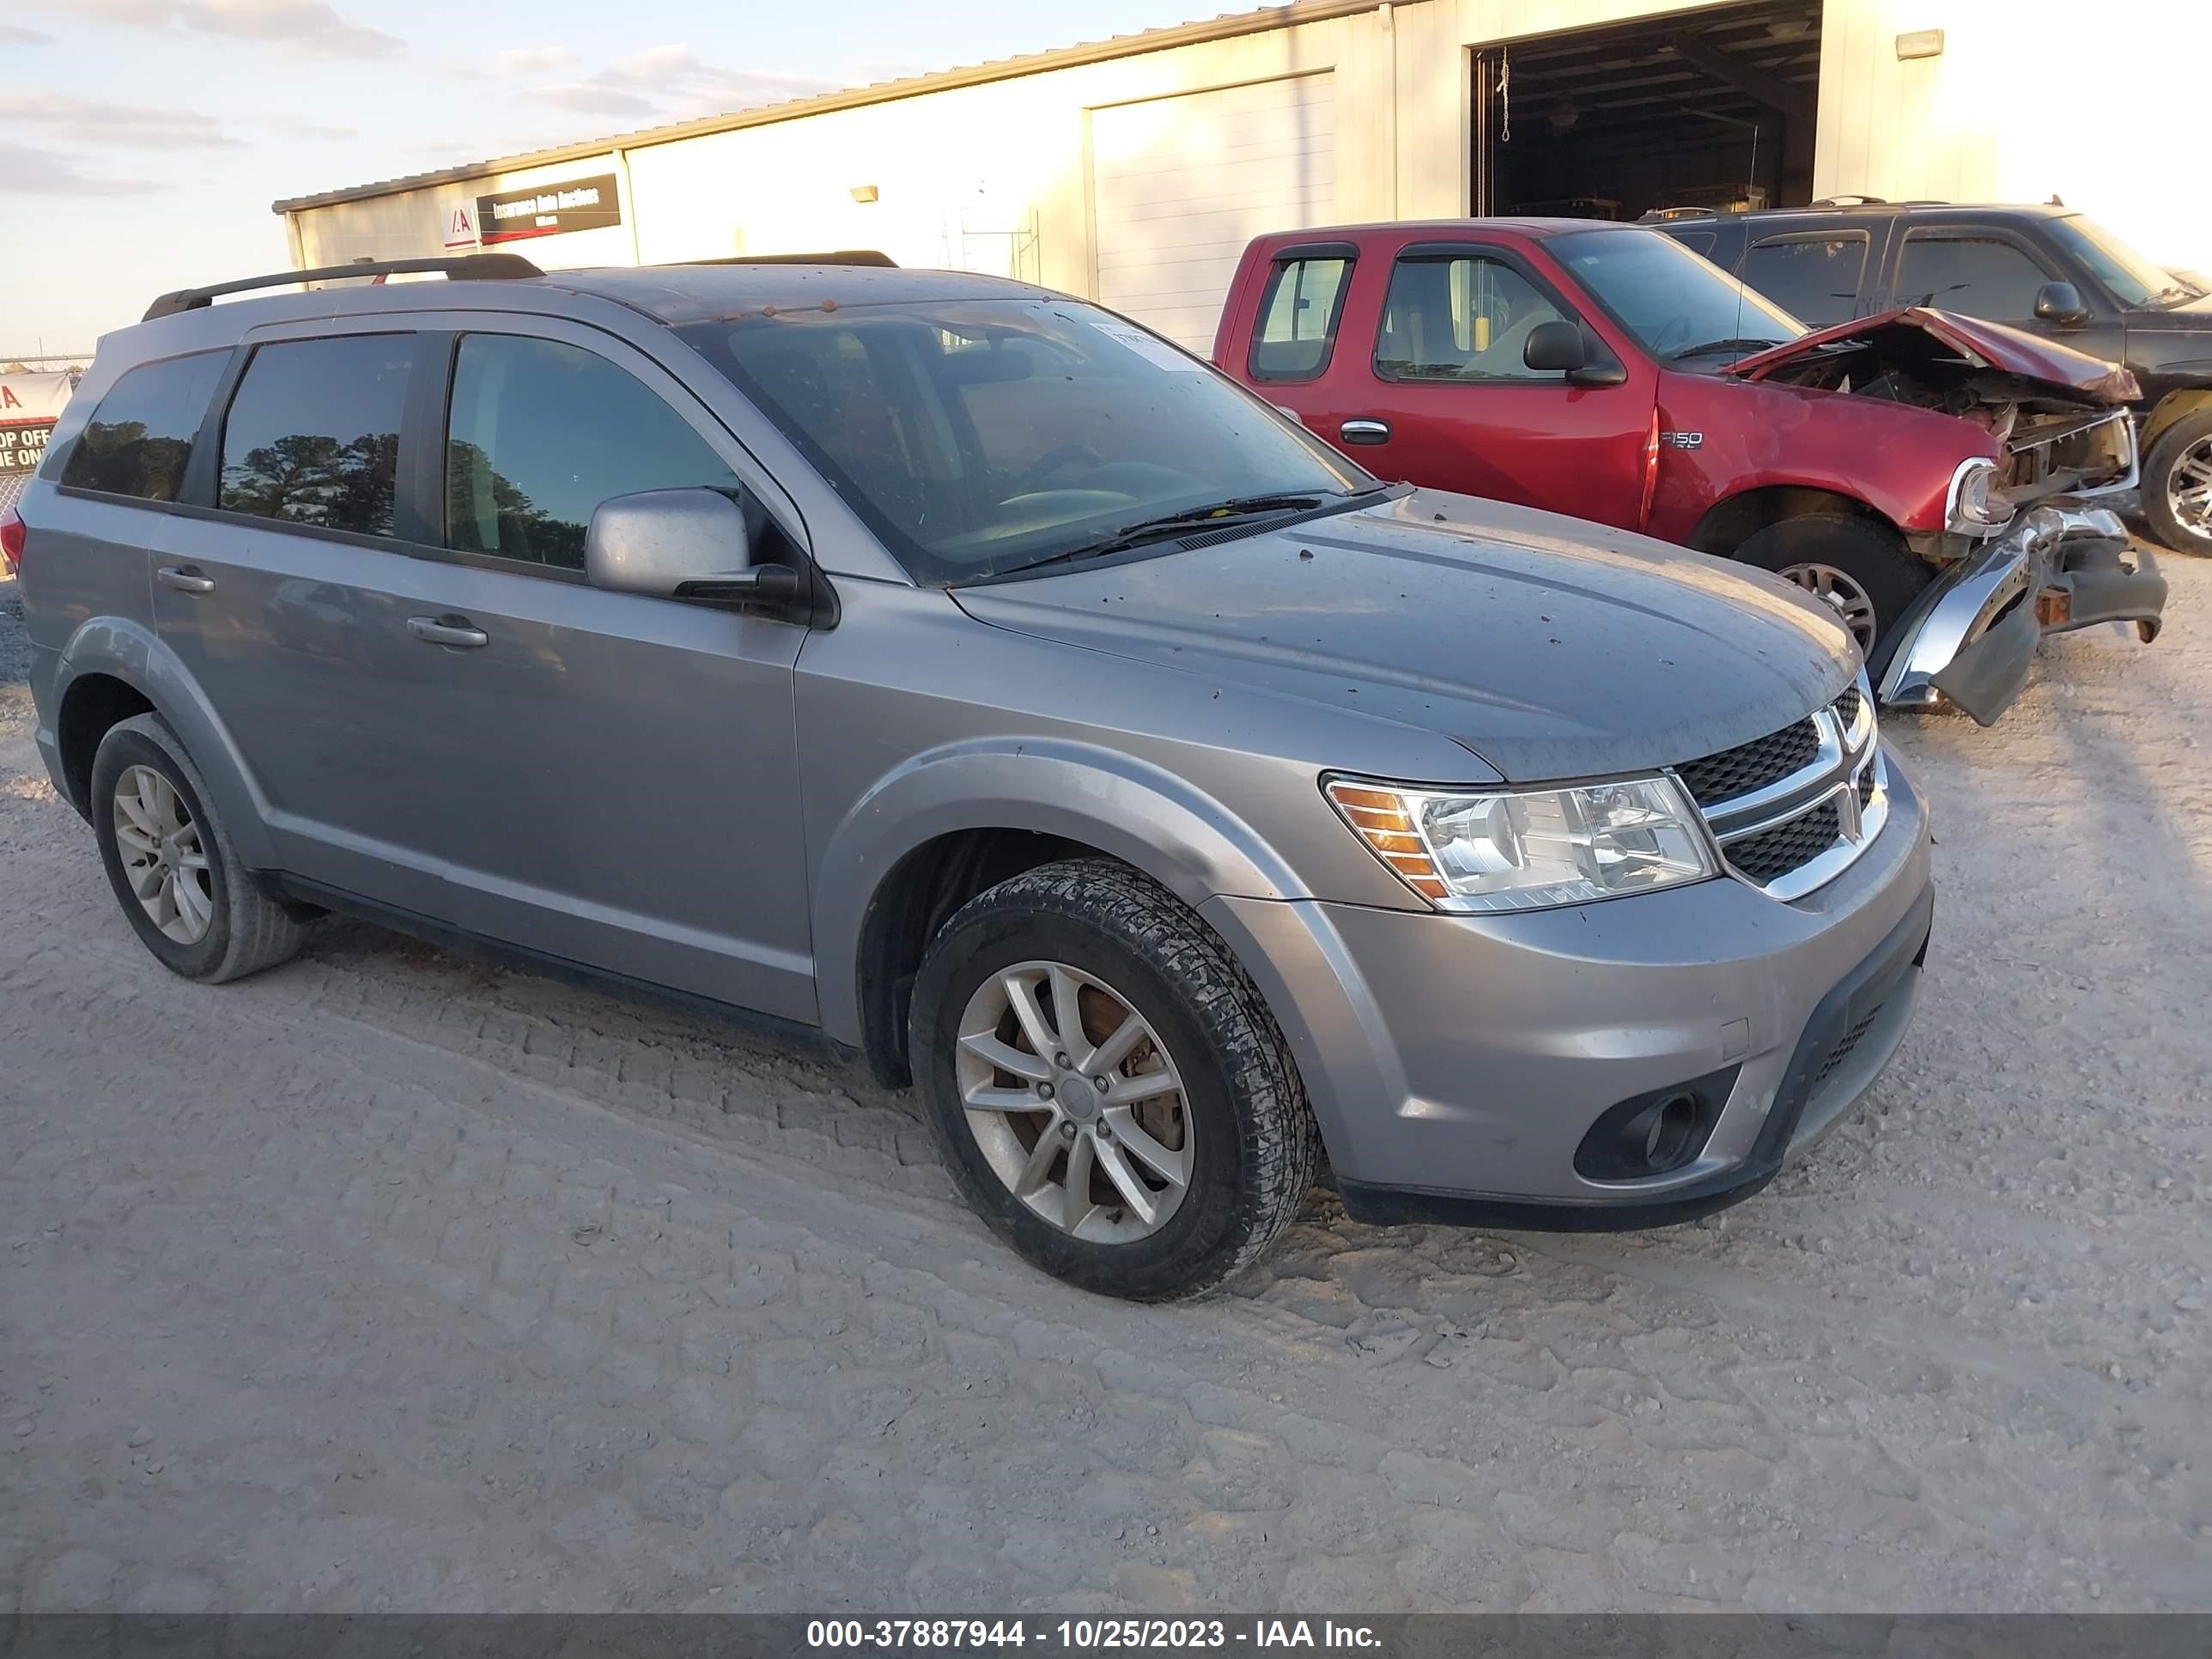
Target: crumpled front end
{"points": [[1972, 635], [2059, 416]]}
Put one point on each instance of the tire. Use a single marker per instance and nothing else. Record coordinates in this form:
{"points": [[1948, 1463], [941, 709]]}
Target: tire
{"points": [[244, 930], [2184, 526], [1247, 1140], [1866, 557]]}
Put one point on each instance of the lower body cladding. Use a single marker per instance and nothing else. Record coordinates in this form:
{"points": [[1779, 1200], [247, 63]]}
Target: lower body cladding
{"points": [[1625, 1064], [1972, 634]]}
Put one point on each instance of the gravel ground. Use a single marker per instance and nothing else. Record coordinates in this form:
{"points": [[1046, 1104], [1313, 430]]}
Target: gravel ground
{"points": [[388, 1281]]}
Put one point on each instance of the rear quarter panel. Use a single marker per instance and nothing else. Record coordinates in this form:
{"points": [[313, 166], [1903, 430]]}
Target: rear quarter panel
{"points": [[1752, 436]]}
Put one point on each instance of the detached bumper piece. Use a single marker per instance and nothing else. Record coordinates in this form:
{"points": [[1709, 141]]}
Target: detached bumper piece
{"points": [[1972, 635]]}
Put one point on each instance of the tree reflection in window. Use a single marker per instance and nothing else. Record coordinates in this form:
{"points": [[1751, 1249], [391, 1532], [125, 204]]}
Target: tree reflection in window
{"points": [[121, 459], [307, 479], [539, 432], [519, 528], [139, 439], [283, 455]]}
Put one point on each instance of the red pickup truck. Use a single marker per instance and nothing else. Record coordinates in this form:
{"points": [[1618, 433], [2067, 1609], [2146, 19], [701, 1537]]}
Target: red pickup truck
{"points": [[1909, 467]]}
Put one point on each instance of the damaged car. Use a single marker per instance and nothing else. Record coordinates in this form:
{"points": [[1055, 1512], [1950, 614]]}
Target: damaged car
{"points": [[2064, 436], [1933, 478]]}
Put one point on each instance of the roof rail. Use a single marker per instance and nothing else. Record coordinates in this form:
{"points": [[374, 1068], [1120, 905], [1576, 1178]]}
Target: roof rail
{"points": [[1851, 198], [850, 256], [467, 267]]}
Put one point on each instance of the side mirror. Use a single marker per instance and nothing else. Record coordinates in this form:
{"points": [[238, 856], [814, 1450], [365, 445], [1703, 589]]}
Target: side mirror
{"points": [[2060, 302], [681, 544], [1554, 346]]}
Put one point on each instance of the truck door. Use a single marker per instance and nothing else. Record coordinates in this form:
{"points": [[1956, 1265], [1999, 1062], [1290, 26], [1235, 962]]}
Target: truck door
{"points": [[1428, 383]]}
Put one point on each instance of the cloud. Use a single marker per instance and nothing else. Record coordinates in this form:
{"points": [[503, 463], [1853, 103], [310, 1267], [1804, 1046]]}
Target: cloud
{"points": [[89, 121], [311, 26], [15, 34], [532, 60], [672, 83], [26, 172], [298, 126], [594, 98], [139, 14]]}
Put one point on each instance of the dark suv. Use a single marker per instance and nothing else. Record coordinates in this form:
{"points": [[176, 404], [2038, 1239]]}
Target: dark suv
{"points": [[2045, 268]]}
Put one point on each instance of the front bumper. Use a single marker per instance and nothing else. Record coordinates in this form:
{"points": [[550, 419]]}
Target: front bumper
{"points": [[1457, 1063], [1972, 634]]}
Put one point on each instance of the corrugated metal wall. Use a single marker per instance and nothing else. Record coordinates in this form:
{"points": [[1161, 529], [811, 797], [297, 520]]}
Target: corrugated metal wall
{"points": [[2025, 101]]}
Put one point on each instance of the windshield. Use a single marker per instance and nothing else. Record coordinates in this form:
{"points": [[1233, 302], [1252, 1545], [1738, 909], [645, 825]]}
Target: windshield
{"points": [[2133, 279], [1678, 305], [977, 436]]}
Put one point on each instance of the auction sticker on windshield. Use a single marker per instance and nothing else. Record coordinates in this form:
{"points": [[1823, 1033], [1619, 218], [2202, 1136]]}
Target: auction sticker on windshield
{"points": [[1151, 350]]}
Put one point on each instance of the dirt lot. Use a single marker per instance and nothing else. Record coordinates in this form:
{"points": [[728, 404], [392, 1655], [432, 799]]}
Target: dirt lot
{"points": [[387, 1280]]}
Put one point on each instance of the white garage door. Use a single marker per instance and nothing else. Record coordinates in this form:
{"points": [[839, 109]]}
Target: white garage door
{"points": [[1179, 185]]}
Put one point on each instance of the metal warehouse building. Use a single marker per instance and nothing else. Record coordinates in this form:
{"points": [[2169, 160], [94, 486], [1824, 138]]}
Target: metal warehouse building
{"points": [[1135, 170]]}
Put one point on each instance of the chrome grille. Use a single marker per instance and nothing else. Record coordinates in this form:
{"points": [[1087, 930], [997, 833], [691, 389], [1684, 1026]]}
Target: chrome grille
{"points": [[1772, 852], [1794, 809], [1751, 766]]}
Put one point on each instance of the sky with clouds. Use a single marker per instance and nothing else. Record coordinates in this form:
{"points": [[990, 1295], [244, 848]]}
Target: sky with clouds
{"points": [[142, 141]]}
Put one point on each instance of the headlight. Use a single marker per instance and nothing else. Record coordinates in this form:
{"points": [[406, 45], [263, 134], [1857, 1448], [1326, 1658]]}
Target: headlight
{"points": [[1974, 505], [1501, 850]]}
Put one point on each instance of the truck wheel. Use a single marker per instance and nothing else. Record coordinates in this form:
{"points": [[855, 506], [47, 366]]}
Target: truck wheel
{"points": [[2176, 484], [1863, 569], [1108, 1088], [172, 867]]}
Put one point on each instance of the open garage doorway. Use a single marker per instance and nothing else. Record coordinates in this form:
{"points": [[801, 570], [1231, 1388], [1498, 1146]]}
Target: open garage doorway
{"points": [[1711, 109]]}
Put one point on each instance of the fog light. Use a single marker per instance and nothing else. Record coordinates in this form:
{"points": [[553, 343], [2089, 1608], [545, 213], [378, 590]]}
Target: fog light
{"points": [[1652, 1134]]}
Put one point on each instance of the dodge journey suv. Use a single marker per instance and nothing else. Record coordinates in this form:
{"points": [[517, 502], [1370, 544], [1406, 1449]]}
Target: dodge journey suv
{"points": [[960, 672]]}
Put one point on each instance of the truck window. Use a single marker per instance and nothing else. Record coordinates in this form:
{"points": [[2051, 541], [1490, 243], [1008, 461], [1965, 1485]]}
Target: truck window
{"points": [[1812, 275], [1459, 319], [1298, 319]]}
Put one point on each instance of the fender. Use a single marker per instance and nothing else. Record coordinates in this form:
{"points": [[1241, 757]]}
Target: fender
{"points": [[1894, 458], [132, 652], [1185, 840], [2174, 406]]}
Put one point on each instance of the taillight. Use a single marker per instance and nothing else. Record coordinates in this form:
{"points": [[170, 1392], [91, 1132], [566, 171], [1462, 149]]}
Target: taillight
{"points": [[12, 538]]}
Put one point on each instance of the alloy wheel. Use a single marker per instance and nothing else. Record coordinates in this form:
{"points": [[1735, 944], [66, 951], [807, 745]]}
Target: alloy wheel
{"points": [[1075, 1101], [163, 857], [1841, 590], [2189, 488]]}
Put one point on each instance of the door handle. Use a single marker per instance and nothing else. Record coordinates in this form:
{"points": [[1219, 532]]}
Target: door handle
{"points": [[185, 579], [448, 629], [1365, 432]]}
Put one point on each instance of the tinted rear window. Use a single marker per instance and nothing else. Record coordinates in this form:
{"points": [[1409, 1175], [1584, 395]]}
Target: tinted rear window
{"points": [[140, 439], [1976, 275], [1813, 276], [312, 436]]}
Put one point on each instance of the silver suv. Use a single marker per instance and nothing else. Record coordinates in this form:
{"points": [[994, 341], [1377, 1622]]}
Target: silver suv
{"points": [[961, 673]]}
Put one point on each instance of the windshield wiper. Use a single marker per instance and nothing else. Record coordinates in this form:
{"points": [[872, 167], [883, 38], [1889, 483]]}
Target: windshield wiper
{"points": [[1720, 345], [1168, 526]]}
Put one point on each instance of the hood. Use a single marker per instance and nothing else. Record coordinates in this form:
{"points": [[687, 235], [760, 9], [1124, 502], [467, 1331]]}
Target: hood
{"points": [[2190, 314], [1549, 647], [1983, 345]]}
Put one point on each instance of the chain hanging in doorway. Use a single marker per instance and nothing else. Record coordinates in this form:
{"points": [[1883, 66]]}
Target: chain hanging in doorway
{"points": [[1505, 94]]}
